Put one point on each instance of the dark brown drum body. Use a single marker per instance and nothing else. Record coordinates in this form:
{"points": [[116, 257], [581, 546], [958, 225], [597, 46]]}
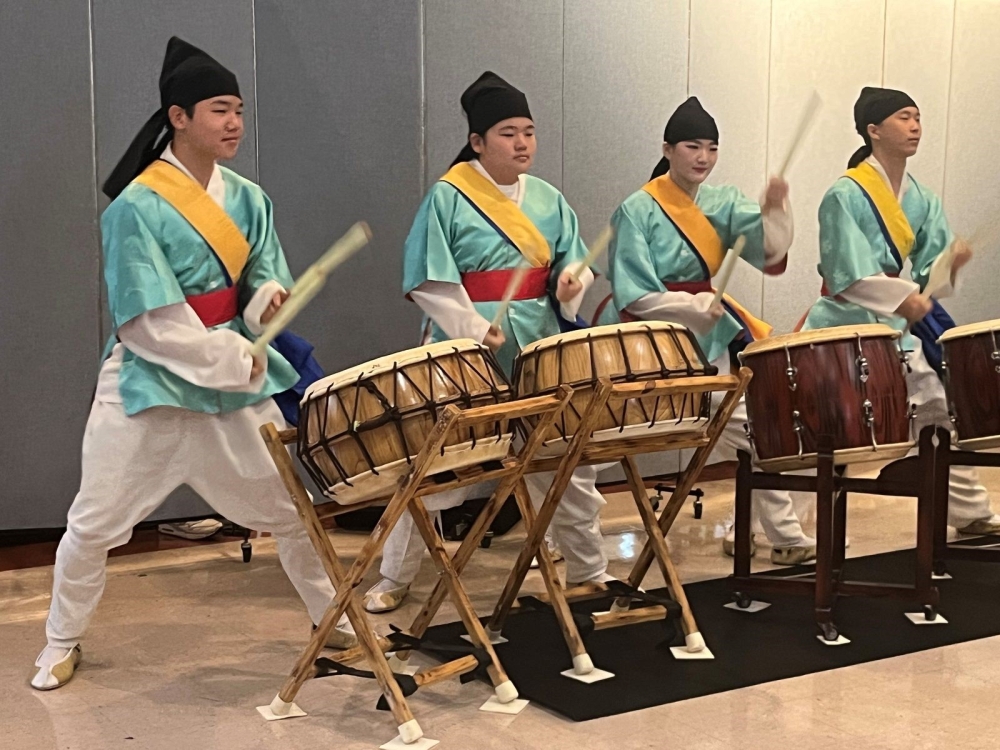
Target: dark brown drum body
{"points": [[847, 382], [360, 429], [623, 353], [972, 379]]}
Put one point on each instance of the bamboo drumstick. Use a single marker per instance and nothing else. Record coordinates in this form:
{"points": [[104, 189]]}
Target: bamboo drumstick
{"points": [[310, 283], [728, 264]]}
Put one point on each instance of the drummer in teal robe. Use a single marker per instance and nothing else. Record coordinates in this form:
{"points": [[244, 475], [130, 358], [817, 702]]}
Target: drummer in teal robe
{"points": [[874, 218], [670, 238], [194, 269], [483, 220]]}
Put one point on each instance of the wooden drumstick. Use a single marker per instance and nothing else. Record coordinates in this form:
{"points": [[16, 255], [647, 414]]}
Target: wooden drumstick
{"points": [[599, 246], [310, 283], [513, 285], [728, 264], [805, 123]]}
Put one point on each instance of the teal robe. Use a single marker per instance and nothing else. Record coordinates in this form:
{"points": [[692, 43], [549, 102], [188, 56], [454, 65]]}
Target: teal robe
{"points": [[852, 247], [449, 237], [153, 258], [647, 252]]}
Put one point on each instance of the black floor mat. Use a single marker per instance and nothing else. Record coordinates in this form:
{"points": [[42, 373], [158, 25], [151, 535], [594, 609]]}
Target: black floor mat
{"points": [[750, 649]]}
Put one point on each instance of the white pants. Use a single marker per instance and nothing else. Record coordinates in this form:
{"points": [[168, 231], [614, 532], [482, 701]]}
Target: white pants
{"points": [[576, 527], [131, 464], [967, 498], [772, 508]]}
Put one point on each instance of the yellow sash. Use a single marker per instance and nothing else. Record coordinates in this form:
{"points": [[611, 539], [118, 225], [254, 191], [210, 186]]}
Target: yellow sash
{"points": [[201, 212], [502, 212], [693, 224], [888, 209], [689, 219]]}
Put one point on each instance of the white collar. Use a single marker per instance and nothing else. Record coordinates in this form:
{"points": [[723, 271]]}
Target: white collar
{"points": [[515, 192], [904, 184], [216, 184]]}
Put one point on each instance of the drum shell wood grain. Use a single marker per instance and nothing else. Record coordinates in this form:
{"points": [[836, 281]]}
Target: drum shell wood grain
{"points": [[622, 355], [829, 396], [393, 411], [973, 385]]}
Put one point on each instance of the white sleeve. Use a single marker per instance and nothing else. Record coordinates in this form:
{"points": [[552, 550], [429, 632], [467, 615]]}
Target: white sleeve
{"points": [[880, 293], [690, 310], [948, 285], [174, 338], [779, 230], [449, 306], [258, 304], [570, 309]]}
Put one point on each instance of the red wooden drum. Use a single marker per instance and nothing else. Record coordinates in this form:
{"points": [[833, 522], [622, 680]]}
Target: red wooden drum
{"points": [[360, 429], [847, 382], [971, 356]]}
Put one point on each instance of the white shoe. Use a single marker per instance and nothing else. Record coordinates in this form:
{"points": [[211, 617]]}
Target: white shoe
{"points": [[55, 667], [194, 530], [983, 527], [602, 578], [729, 544], [386, 595], [342, 636], [554, 552]]}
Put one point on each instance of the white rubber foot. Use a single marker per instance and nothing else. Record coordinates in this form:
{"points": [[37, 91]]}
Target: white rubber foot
{"points": [[505, 692], [280, 710], [583, 664], [494, 706], [694, 642], [624, 607], [595, 675], [683, 654], [494, 635], [410, 731], [397, 744]]}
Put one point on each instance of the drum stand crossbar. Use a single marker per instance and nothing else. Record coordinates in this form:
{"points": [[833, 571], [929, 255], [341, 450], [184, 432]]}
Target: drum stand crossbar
{"points": [[416, 483], [583, 451], [907, 477]]}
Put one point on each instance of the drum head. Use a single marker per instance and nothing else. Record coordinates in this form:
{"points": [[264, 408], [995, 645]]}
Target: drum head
{"points": [[973, 329], [819, 335], [384, 364], [598, 331]]}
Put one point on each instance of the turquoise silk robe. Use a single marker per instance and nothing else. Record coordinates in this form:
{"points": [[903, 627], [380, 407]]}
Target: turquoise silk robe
{"points": [[647, 251], [449, 237], [153, 258], [852, 247]]}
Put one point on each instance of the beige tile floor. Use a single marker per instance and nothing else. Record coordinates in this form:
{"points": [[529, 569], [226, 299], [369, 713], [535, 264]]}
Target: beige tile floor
{"points": [[187, 642]]}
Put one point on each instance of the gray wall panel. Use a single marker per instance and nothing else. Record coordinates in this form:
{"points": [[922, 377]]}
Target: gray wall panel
{"points": [[48, 257], [520, 41], [130, 37], [340, 140]]}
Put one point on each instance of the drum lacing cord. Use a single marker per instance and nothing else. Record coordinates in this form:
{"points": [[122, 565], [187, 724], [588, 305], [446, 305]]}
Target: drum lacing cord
{"points": [[327, 667]]}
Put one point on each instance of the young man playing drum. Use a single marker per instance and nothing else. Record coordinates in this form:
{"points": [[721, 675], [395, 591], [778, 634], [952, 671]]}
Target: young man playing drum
{"points": [[872, 219], [669, 240], [193, 268], [482, 220]]}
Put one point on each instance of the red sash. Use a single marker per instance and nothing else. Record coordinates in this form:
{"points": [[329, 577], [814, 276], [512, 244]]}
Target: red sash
{"points": [[216, 308], [489, 286]]}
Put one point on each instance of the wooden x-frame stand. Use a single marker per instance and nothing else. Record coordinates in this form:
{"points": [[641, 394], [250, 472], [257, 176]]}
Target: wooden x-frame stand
{"points": [[583, 451], [416, 483]]}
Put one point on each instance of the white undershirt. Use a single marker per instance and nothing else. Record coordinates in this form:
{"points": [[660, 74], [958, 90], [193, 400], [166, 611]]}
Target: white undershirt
{"points": [[449, 305], [174, 337]]}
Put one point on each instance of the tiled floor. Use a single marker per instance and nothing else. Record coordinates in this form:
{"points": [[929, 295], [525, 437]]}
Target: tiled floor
{"points": [[188, 641]]}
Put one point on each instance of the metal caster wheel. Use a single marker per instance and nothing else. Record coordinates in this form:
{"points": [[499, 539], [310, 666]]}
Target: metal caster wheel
{"points": [[247, 549], [829, 631], [930, 614], [486, 540], [698, 508], [742, 600], [657, 499], [940, 569]]}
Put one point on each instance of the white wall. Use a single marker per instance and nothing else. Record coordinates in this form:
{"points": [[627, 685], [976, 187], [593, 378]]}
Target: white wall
{"points": [[753, 63]]}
